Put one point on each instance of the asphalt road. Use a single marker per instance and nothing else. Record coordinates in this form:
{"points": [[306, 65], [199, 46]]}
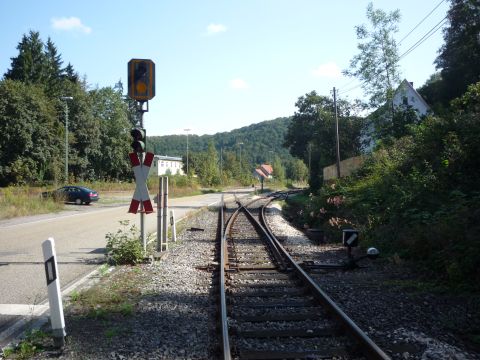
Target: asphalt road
{"points": [[79, 235]]}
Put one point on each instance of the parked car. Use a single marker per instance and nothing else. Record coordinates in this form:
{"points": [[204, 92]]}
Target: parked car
{"points": [[76, 194]]}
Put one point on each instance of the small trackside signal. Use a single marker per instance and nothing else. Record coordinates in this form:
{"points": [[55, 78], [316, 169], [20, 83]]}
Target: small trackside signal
{"points": [[141, 79], [138, 144]]}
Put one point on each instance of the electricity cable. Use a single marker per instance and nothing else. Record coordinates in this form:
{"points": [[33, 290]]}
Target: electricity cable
{"points": [[421, 21]]}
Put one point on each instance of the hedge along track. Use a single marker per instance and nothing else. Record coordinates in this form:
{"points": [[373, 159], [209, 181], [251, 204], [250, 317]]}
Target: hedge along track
{"points": [[270, 308]]}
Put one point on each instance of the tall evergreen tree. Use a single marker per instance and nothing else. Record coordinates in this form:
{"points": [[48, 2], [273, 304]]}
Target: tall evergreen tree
{"points": [[29, 66], [70, 74], [53, 70]]}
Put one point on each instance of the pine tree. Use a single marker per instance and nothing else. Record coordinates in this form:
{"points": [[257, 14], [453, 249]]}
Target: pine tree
{"points": [[30, 64], [53, 70]]}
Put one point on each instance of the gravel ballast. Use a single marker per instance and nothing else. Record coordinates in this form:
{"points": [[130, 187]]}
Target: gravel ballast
{"points": [[176, 315]]}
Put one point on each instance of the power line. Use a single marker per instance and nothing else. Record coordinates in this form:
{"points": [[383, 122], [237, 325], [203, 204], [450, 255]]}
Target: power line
{"points": [[421, 21], [424, 37]]}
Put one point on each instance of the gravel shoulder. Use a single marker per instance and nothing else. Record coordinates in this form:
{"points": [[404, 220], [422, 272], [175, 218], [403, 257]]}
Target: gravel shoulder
{"points": [[176, 315]]}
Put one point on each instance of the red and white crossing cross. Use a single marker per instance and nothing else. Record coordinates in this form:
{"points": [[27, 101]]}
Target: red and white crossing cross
{"points": [[141, 190]]}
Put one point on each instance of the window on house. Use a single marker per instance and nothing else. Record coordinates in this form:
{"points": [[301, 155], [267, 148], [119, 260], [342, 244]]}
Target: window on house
{"points": [[161, 164], [405, 100]]}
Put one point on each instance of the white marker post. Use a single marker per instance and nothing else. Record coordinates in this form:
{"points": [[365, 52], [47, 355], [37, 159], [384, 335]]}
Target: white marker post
{"points": [[160, 214], [54, 295], [165, 212]]}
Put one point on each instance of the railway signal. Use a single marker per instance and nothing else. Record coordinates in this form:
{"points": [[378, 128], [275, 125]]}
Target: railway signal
{"points": [[350, 237], [141, 79], [139, 139]]}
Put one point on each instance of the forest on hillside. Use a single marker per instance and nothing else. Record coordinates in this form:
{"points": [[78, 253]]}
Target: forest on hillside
{"points": [[258, 143]]}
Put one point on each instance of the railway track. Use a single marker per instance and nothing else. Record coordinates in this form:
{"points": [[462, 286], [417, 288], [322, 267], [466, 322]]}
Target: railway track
{"points": [[270, 308]]}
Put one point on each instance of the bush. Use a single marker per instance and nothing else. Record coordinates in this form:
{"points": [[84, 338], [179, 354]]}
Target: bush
{"points": [[418, 198], [123, 247]]}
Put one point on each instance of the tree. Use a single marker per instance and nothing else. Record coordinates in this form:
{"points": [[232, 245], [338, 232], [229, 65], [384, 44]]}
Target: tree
{"points": [[459, 57], [30, 65], [311, 134], [111, 112], [70, 74], [31, 135], [84, 133], [297, 170], [205, 165], [53, 70], [376, 65], [278, 169]]}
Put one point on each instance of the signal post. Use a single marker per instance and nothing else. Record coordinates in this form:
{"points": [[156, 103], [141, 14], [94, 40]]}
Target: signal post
{"points": [[141, 87]]}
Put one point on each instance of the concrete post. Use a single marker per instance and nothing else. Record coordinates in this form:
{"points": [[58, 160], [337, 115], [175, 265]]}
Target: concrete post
{"points": [[172, 224]]}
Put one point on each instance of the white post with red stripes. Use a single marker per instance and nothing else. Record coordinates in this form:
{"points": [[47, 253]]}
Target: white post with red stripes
{"points": [[141, 196]]}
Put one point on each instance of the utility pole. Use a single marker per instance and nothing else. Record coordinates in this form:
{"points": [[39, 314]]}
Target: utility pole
{"points": [[336, 132]]}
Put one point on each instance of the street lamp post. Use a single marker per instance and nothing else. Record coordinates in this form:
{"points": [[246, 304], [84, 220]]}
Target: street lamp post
{"points": [[240, 144], [65, 98], [187, 130]]}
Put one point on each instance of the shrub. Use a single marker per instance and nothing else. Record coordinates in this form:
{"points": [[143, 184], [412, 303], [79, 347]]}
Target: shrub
{"points": [[123, 247], [418, 198]]}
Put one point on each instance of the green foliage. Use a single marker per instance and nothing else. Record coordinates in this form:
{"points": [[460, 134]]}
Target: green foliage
{"points": [[418, 198], [297, 170], [33, 343], [258, 140], [376, 64], [278, 170], [29, 145], [123, 247], [459, 56], [33, 121], [311, 135]]}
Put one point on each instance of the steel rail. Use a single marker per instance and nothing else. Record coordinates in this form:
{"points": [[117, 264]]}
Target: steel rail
{"points": [[223, 299], [369, 348]]}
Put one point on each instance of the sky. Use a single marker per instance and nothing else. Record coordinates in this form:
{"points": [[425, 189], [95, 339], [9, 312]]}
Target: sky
{"points": [[220, 65]]}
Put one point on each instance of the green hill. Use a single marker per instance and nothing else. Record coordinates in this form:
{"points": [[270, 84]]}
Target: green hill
{"points": [[261, 142]]}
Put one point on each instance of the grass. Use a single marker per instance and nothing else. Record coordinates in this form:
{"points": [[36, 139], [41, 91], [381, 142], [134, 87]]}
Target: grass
{"points": [[34, 342], [115, 294], [24, 200], [16, 201]]}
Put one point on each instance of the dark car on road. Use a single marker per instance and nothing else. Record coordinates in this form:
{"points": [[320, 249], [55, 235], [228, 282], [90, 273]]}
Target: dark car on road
{"points": [[76, 194]]}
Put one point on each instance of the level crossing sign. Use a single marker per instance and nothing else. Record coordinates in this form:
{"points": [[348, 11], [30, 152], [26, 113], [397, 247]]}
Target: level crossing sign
{"points": [[141, 191]]}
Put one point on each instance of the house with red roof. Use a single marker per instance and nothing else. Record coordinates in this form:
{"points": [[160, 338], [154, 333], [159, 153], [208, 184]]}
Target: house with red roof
{"points": [[263, 172]]}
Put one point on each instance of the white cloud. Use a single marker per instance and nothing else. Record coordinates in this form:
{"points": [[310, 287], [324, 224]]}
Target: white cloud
{"points": [[70, 24], [216, 29], [238, 84], [329, 70]]}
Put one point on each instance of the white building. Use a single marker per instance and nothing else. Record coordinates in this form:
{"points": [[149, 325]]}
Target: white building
{"points": [[406, 95], [166, 165]]}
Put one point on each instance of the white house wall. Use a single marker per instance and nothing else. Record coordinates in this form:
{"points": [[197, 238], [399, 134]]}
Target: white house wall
{"points": [[406, 92], [162, 166]]}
